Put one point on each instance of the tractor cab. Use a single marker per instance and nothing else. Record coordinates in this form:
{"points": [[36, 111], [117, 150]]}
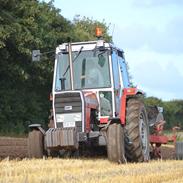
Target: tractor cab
{"points": [[90, 67]]}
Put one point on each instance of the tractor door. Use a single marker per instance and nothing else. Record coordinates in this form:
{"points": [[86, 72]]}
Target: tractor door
{"points": [[117, 81]]}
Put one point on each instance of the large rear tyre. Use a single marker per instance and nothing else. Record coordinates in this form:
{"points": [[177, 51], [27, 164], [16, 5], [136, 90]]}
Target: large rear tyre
{"points": [[137, 132], [115, 143], [35, 144]]}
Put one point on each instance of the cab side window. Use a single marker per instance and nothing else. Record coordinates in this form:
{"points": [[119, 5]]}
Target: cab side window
{"points": [[124, 70], [115, 68]]}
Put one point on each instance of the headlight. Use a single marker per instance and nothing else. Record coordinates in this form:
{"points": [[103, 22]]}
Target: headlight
{"points": [[59, 118]]}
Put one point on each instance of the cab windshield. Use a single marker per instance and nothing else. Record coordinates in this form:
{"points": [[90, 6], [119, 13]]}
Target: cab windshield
{"points": [[90, 70]]}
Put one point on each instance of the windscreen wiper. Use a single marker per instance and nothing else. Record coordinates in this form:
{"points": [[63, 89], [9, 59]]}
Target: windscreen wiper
{"points": [[102, 51], [77, 55]]}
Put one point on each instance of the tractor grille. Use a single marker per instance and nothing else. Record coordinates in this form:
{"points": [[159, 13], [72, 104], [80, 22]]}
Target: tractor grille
{"points": [[69, 106]]}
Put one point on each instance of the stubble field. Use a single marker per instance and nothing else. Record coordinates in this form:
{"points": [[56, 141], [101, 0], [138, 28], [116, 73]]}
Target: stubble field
{"points": [[89, 171]]}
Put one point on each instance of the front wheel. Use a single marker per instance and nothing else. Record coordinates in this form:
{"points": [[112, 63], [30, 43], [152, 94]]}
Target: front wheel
{"points": [[35, 144], [137, 131], [115, 143]]}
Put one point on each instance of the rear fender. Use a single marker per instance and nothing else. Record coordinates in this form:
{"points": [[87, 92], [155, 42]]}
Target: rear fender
{"points": [[127, 92]]}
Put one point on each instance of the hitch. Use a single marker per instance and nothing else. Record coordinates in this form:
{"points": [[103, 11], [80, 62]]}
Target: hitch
{"points": [[158, 138]]}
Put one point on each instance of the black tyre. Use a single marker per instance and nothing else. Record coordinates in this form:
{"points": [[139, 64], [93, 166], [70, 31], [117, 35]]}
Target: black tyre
{"points": [[35, 144], [136, 131], [115, 143]]}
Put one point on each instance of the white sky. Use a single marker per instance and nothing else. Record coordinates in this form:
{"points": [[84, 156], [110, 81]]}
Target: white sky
{"points": [[151, 34]]}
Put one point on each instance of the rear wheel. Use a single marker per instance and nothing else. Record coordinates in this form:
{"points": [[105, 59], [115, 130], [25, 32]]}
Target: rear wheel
{"points": [[137, 132], [35, 144], [115, 143]]}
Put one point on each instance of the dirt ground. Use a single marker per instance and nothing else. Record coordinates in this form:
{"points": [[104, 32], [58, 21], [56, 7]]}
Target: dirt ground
{"points": [[17, 148], [13, 147], [168, 152]]}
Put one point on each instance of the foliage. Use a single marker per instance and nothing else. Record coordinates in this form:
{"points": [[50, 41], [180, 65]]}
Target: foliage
{"points": [[173, 110], [85, 29], [25, 86]]}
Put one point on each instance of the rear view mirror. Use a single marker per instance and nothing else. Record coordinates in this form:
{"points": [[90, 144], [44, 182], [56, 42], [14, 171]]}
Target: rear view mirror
{"points": [[36, 55], [101, 60]]}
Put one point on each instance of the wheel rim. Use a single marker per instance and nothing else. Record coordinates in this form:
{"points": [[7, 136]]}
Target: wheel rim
{"points": [[143, 134]]}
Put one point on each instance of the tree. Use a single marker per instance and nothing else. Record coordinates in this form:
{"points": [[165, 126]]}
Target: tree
{"points": [[84, 29], [174, 113], [153, 101], [173, 110], [25, 86]]}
